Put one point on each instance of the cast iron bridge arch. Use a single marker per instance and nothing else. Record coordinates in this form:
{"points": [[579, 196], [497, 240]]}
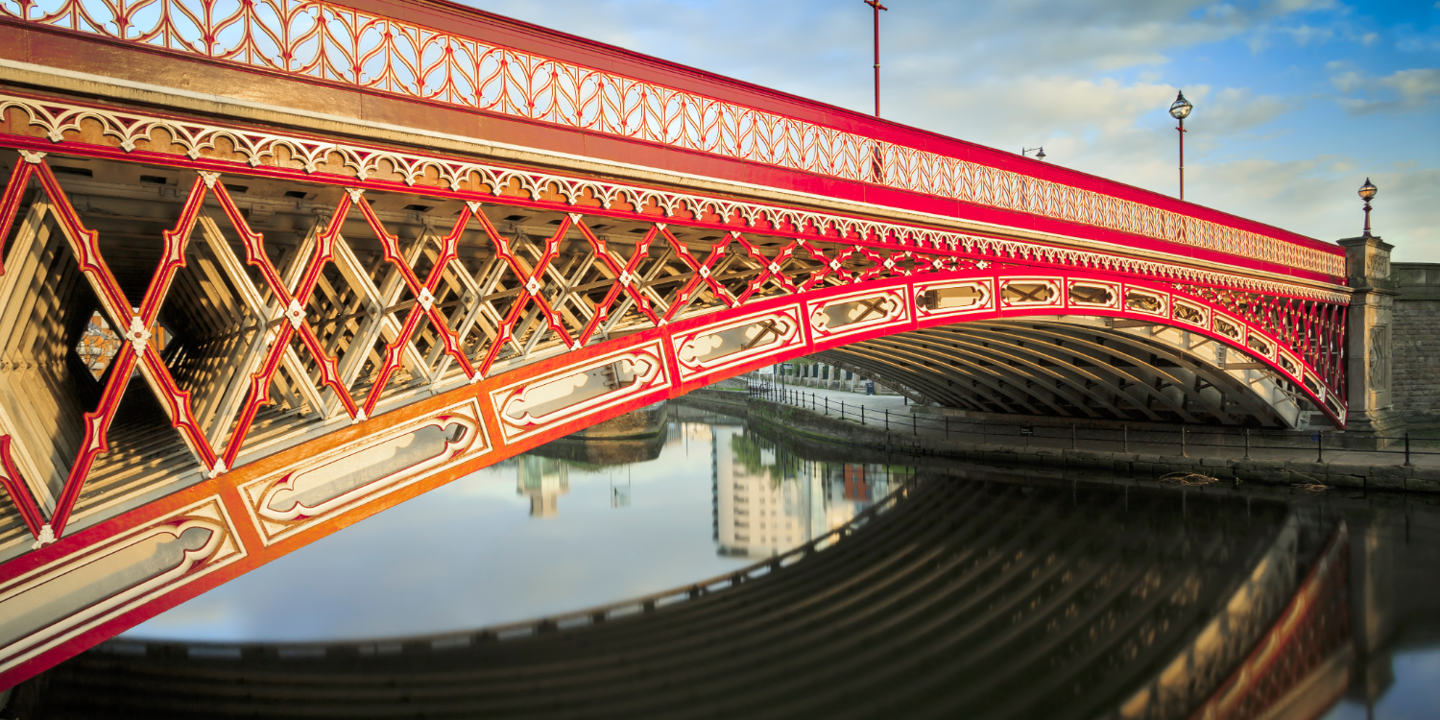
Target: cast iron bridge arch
{"points": [[319, 317]]}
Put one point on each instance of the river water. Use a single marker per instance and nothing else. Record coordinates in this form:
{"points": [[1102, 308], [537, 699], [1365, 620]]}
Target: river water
{"points": [[562, 529]]}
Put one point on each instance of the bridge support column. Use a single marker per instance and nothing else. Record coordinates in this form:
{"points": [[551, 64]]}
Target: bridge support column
{"points": [[1368, 340]]}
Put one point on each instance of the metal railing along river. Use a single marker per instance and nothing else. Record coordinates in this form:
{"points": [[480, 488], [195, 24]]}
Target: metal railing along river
{"points": [[1149, 438]]}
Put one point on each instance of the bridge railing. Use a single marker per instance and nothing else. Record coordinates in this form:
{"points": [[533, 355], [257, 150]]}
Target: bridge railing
{"points": [[1316, 445]]}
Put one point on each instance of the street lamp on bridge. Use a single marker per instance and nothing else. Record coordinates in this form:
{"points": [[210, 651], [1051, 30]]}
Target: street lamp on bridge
{"points": [[1180, 109], [1039, 152], [1367, 193]]}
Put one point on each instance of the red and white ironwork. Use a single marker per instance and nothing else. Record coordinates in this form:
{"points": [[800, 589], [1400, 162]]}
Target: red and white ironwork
{"points": [[60, 123], [1300, 337], [332, 43]]}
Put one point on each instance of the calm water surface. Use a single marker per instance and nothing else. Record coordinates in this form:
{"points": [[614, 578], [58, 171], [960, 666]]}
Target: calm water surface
{"points": [[548, 533], [539, 535]]}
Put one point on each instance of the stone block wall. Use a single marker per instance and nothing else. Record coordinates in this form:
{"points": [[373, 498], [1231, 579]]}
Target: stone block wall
{"points": [[1416, 341]]}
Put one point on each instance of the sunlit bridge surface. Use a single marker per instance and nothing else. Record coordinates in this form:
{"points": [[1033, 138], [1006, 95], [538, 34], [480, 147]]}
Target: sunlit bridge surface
{"points": [[556, 586]]}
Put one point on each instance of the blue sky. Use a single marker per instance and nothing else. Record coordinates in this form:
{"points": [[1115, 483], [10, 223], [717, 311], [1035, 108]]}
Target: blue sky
{"points": [[1297, 101]]}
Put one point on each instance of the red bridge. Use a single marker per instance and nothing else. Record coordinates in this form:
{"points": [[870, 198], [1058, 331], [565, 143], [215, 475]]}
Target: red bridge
{"points": [[349, 252]]}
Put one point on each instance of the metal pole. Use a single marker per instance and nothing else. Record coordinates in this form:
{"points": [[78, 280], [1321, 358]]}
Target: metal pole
{"points": [[827, 406], [1407, 448], [862, 414], [1072, 436], [1182, 442], [915, 423], [1125, 434], [878, 7], [1320, 446], [887, 419], [1247, 443], [947, 430], [1182, 159]]}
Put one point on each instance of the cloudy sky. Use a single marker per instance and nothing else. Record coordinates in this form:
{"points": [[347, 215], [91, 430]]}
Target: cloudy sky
{"points": [[1296, 101]]}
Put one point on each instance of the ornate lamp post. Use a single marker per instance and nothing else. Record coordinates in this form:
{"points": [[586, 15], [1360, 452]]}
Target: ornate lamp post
{"points": [[1039, 152], [1367, 193], [1180, 109]]}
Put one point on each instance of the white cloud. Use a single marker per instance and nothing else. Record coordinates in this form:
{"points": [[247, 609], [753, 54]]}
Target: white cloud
{"points": [[1401, 91], [1415, 86], [1348, 81], [1316, 197]]}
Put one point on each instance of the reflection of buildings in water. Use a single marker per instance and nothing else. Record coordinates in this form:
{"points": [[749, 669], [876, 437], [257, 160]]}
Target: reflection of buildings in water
{"points": [[684, 434], [764, 506], [1395, 604], [697, 432], [544, 480]]}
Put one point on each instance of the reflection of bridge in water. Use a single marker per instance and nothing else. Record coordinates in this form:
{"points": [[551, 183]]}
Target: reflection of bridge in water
{"points": [[956, 596]]}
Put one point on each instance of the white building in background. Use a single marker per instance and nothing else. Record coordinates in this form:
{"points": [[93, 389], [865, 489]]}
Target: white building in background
{"points": [[765, 510], [808, 372], [544, 480]]}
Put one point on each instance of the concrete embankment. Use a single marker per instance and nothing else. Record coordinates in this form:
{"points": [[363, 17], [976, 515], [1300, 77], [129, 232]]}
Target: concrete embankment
{"points": [[812, 427]]}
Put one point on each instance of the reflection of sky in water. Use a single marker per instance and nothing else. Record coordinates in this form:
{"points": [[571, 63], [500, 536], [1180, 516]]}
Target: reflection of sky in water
{"points": [[468, 555], [1414, 694]]}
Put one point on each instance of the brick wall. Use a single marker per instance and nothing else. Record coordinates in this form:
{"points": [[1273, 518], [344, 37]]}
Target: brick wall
{"points": [[1416, 341]]}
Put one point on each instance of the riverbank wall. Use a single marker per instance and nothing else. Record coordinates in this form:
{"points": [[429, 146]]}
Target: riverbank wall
{"points": [[811, 427]]}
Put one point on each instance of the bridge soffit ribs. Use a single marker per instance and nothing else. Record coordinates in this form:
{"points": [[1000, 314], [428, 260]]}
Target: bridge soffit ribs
{"points": [[334, 44], [1075, 368]]}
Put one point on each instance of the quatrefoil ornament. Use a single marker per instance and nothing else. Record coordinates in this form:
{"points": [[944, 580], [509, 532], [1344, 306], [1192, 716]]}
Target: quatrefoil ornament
{"points": [[137, 335], [295, 314]]}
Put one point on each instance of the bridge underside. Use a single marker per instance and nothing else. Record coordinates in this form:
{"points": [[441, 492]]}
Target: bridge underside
{"points": [[1078, 367]]}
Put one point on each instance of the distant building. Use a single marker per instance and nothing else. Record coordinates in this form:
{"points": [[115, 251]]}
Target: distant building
{"points": [[808, 372]]}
